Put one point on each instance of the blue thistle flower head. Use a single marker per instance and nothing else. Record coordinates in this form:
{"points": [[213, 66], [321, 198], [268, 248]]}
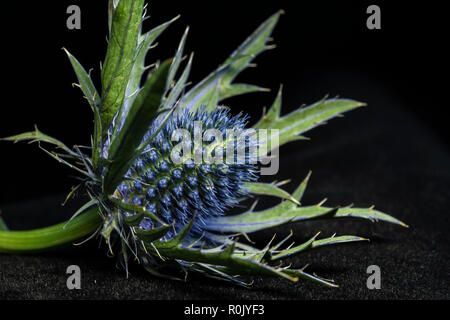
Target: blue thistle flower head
{"points": [[192, 189]]}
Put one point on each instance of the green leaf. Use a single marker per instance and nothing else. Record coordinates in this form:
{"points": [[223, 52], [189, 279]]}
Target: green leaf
{"points": [[258, 256], [176, 250], [287, 212], [179, 86], [87, 205], [177, 59], [214, 272], [112, 6], [313, 243], [145, 42], [125, 30], [202, 92], [268, 189], [240, 88], [178, 239], [219, 258], [267, 254], [84, 81], [134, 219], [211, 101], [227, 72], [139, 212], [291, 126], [369, 214], [144, 110], [292, 251], [335, 240], [37, 136], [300, 191], [161, 124], [255, 44], [153, 234], [254, 221], [274, 113]]}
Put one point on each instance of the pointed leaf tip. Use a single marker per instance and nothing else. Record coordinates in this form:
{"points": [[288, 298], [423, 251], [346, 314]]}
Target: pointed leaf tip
{"points": [[298, 193], [269, 189], [238, 61], [304, 119]]}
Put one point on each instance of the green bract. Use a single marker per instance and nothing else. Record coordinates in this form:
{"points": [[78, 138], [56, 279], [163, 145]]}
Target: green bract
{"points": [[167, 214]]}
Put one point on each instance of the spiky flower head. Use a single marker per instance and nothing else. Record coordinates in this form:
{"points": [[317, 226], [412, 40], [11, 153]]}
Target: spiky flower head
{"points": [[166, 212], [175, 187]]}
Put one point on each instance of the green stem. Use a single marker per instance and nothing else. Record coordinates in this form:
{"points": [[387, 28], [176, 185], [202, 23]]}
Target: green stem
{"points": [[50, 237]]}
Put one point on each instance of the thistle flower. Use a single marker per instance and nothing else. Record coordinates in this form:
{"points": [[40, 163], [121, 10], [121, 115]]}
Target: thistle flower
{"points": [[150, 196], [176, 192]]}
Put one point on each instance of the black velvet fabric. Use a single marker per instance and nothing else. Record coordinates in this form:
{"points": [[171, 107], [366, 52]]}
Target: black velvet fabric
{"points": [[376, 155]]}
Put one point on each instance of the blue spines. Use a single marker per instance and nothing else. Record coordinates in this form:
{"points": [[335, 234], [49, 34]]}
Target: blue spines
{"points": [[151, 207], [146, 224], [183, 205], [138, 165], [165, 213], [151, 193], [163, 166], [192, 180], [194, 197], [137, 185], [177, 173], [177, 191], [166, 200], [205, 168], [163, 183], [149, 176], [189, 165], [166, 147], [222, 169], [152, 155], [137, 201]]}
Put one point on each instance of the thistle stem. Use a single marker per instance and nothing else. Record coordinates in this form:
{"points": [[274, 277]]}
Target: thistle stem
{"points": [[49, 237]]}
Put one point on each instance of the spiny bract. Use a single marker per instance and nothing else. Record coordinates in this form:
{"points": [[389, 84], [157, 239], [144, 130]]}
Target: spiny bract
{"points": [[167, 213]]}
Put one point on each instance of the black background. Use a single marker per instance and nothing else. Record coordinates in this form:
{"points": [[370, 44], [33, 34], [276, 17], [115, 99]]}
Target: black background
{"points": [[323, 47]]}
